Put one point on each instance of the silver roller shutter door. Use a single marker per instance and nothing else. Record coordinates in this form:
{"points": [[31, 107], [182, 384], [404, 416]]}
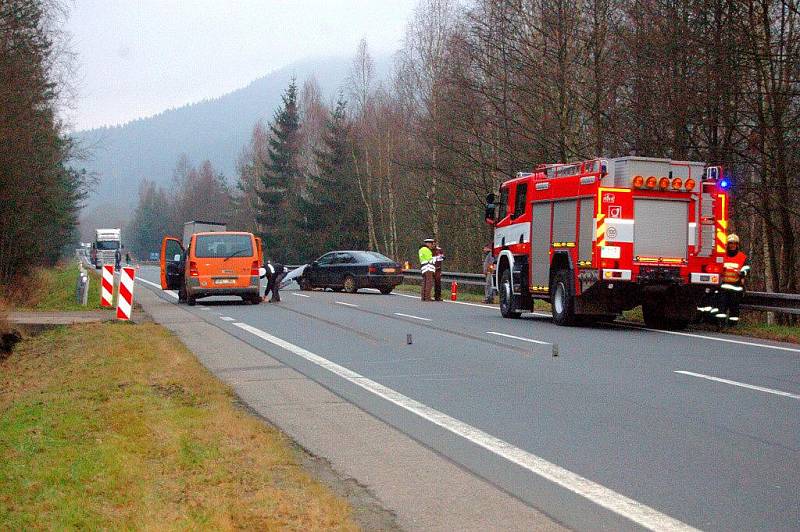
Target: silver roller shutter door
{"points": [[661, 228]]}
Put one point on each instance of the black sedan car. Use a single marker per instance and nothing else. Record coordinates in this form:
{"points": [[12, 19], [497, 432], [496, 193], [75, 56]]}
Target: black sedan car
{"points": [[351, 270]]}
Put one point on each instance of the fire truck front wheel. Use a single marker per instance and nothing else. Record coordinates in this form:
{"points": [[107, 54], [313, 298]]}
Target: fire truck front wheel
{"points": [[562, 293], [507, 307]]}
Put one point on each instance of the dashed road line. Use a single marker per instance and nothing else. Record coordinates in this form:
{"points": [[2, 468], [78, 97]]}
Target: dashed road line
{"points": [[621, 505], [204, 308], [227, 318], [740, 384], [300, 295], [346, 304], [411, 316], [531, 340]]}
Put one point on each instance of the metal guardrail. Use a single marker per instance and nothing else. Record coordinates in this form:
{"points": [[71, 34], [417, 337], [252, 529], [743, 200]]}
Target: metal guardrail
{"points": [[764, 301]]}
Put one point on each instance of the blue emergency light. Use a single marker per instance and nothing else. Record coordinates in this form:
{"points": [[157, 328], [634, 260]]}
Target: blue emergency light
{"points": [[725, 183]]}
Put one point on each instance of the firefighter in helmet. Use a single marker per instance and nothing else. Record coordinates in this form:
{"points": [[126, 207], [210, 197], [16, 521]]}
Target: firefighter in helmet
{"points": [[734, 271]]}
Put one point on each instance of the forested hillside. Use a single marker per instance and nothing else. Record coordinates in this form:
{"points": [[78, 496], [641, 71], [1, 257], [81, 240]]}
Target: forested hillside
{"points": [[481, 92]]}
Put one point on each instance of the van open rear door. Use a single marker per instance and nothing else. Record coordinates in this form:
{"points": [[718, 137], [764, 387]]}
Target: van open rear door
{"points": [[260, 248], [172, 263]]}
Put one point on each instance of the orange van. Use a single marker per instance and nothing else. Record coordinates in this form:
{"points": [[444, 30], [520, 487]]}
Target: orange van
{"points": [[214, 264]]}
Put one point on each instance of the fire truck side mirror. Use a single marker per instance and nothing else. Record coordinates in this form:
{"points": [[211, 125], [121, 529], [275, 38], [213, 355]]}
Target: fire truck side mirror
{"points": [[490, 214]]}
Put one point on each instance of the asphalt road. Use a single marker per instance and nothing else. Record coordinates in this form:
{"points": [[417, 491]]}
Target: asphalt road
{"points": [[625, 428]]}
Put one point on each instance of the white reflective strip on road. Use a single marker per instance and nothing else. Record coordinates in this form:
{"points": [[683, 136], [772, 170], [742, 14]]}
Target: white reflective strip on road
{"points": [[621, 505], [170, 293], [740, 384], [411, 316], [519, 338], [714, 338], [299, 295], [345, 304], [204, 308], [227, 318]]}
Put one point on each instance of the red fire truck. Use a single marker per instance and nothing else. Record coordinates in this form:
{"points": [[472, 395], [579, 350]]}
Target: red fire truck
{"points": [[602, 236]]}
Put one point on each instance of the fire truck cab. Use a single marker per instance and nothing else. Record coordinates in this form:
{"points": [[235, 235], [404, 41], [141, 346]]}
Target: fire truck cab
{"points": [[597, 237]]}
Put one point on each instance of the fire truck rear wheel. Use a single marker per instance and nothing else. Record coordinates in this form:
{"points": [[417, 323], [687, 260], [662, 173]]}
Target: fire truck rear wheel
{"points": [[507, 308], [562, 298]]}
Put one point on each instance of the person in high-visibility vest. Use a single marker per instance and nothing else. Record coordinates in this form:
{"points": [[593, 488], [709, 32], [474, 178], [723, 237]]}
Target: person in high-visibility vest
{"points": [[734, 271], [427, 266]]}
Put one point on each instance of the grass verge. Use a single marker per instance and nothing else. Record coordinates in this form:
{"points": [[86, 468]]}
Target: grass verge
{"points": [[53, 289], [117, 425]]}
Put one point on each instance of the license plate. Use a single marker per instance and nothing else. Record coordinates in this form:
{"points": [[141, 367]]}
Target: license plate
{"points": [[389, 270], [224, 281]]}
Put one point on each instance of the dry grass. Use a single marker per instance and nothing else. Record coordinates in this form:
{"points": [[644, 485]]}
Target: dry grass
{"points": [[118, 426], [51, 289]]}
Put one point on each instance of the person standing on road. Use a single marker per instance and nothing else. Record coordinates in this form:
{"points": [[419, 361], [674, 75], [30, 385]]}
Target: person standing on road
{"points": [[427, 268], [488, 272], [117, 259], [438, 259], [274, 273], [734, 271]]}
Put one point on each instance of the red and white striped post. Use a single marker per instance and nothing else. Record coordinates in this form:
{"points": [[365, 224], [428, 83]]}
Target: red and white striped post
{"points": [[107, 286], [125, 296]]}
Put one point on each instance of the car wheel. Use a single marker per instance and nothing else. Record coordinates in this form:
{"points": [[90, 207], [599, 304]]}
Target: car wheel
{"points": [[386, 290], [507, 308], [562, 298], [191, 301], [336, 288], [350, 285], [305, 284]]}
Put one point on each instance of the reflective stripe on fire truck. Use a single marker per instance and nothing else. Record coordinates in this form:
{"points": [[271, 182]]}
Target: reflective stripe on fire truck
{"points": [[692, 234], [600, 232], [722, 226], [512, 234]]}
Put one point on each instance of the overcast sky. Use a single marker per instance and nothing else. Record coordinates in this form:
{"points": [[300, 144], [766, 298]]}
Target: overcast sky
{"points": [[138, 57]]}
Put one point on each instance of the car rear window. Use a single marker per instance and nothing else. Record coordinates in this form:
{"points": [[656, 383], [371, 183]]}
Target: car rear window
{"points": [[223, 246], [372, 256]]}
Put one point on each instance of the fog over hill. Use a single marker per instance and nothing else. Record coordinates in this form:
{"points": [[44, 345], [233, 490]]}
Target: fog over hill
{"points": [[217, 129]]}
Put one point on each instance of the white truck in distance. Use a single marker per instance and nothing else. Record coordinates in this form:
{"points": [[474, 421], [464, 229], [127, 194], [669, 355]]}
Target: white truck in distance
{"points": [[105, 246], [199, 226]]}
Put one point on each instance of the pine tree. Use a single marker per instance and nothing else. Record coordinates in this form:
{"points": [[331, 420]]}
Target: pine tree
{"points": [[279, 177], [329, 211]]}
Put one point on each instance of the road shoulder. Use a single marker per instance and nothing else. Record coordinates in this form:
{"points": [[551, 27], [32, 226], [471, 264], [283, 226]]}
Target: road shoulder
{"points": [[375, 465]]}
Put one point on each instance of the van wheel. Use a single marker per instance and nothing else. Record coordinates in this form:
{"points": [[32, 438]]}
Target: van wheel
{"points": [[182, 294], [191, 301], [507, 308], [350, 285], [562, 298]]}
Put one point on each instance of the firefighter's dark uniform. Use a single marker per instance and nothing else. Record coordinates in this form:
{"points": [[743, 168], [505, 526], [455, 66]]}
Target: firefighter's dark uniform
{"points": [[438, 259], [734, 270], [275, 272]]}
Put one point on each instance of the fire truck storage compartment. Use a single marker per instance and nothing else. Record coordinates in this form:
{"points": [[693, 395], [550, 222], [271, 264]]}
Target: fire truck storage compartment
{"points": [[586, 235], [660, 228], [540, 243]]}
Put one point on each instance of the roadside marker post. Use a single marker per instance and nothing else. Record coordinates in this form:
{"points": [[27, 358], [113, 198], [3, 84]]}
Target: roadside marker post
{"points": [[125, 296], [107, 286]]}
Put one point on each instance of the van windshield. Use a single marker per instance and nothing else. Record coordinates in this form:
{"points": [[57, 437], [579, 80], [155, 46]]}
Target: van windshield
{"points": [[223, 246]]}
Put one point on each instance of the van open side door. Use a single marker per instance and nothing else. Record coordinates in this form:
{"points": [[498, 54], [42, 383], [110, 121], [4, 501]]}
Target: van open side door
{"points": [[173, 263], [260, 248]]}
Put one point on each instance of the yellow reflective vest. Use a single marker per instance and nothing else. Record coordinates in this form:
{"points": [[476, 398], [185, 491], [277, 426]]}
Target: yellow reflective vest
{"points": [[426, 263]]}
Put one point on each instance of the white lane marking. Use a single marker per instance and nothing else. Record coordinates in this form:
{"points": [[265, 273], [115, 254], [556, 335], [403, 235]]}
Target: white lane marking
{"points": [[730, 341], [519, 338], [170, 293], [596, 493], [741, 384], [204, 308], [226, 318], [479, 305], [299, 295], [345, 304], [411, 316]]}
